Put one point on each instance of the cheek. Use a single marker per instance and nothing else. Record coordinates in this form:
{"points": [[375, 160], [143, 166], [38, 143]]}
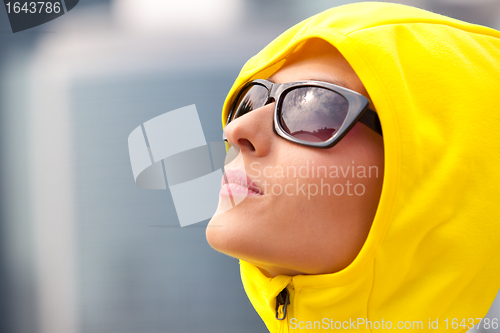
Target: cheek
{"points": [[331, 182], [342, 190]]}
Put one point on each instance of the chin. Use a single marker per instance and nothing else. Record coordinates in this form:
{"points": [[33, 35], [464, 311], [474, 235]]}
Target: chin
{"points": [[224, 237], [213, 234]]}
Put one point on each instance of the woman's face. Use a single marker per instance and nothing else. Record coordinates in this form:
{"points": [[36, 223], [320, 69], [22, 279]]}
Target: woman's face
{"points": [[317, 205]]}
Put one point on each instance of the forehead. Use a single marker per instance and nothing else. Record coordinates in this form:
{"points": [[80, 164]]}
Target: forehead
{"points": [[318, 60]]}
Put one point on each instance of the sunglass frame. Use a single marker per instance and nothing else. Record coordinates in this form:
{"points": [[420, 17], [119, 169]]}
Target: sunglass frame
{"points": [[358, 109]]}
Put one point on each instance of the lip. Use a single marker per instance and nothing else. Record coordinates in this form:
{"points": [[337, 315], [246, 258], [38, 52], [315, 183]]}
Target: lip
{"points": [[235, 182]]}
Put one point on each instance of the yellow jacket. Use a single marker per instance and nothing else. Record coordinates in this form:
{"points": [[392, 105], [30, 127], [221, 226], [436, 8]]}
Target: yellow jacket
{"points": [[433, 252]]}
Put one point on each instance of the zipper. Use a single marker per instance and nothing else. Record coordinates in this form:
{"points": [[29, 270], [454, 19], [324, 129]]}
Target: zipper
{"points": [[282, 301]]}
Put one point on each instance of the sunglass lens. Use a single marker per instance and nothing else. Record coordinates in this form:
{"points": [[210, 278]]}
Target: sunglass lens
{"points": [[250, 99], [313, 114]]}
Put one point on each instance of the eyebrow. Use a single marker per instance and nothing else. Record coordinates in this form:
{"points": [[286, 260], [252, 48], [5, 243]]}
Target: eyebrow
{"points": [[337, 82]]}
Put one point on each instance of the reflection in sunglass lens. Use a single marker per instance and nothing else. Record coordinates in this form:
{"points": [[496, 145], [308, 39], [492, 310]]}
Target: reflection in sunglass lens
{"points": [[313, 114], [250, 99]]}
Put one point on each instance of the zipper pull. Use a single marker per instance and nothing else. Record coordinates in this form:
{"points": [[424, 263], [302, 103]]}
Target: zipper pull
{"points": [[283, 298]]}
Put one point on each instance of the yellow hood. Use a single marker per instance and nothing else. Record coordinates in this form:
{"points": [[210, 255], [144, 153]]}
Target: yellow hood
{"points": [[433, 252]]}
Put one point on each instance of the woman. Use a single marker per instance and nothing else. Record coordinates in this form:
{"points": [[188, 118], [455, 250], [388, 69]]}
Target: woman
{"points": [[399, 231]]}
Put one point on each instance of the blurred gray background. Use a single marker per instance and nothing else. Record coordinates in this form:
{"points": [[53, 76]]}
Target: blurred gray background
{"points": [[82, 248]]}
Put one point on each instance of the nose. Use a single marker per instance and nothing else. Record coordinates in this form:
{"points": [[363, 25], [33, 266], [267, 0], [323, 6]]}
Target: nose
{"points": [[253, 132]]}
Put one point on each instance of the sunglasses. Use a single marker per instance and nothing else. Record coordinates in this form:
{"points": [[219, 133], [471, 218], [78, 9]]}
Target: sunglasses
{"points": [[310, 113]]}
